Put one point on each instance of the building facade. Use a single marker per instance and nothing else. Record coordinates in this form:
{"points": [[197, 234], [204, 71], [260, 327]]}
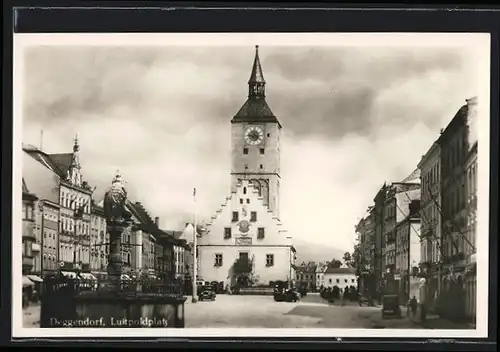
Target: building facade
{"points": [[320, 275], [453, 143], [408, 259], [365, 234], [306, 276], [341, 277], [51, 240], [65, 246], [378, 247], [471, 170], [28, 236], [99, 242], [430, 201], [247, 226]]}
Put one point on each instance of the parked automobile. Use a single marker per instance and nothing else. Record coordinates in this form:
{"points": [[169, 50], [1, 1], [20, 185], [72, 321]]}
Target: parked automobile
{"points": [[390, 306], [285, 295], [206, 293]]}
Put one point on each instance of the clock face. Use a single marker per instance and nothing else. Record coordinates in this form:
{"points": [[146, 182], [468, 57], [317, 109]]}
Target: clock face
{"points": [[254, 135]]}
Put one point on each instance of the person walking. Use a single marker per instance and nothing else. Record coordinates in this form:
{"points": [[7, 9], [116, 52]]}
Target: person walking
{"points": [[413, 307]]}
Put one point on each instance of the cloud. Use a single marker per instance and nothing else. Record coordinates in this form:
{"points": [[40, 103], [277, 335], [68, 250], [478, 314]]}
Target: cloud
{"points": [[352, 117]]}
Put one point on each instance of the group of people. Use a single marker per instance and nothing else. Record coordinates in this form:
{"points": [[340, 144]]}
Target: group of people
{"points": [[337, 293]]}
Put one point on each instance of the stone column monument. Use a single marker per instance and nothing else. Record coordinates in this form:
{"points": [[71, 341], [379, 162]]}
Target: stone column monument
{"points": [[117, 220], [113, 306]]}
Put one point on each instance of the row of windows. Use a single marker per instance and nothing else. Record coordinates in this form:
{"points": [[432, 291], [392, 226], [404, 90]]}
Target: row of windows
{"points": [[260, 166], [261, 233], [50, 216], [430, 178], [262, 151], [346, 281], [73, 202], [455, 152], [243, 255], [236, 216]]}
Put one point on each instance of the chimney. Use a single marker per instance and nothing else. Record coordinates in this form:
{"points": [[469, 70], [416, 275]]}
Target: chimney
{"points": [[157, 221]]}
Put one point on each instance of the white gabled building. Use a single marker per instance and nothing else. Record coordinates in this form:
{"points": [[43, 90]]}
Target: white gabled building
{"points": [[245, 227], [248, 223]]}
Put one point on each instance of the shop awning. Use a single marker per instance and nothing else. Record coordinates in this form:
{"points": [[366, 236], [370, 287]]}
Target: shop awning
{"points": [[69, 274], [34, 278], [27, 282], [88, 276]]}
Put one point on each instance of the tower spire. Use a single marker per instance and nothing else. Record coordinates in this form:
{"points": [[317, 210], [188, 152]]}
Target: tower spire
{"points": [[76, 146], [256, 83]]}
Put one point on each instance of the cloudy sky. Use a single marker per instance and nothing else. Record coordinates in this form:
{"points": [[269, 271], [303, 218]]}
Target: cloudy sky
{"points": [[353, 118]]}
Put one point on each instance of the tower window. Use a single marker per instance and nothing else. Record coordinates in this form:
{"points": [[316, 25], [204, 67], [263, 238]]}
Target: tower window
{"points": [[248, 200], [261, 166], [253, 216], [235, 216], [262, 151], [244, 190], [241, 200], [245, 151], [269, 134], [260, 233], [227, 232]]}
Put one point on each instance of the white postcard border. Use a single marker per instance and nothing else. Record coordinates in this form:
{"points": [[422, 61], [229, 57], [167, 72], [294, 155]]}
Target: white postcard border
{"points": [[480, 41]]}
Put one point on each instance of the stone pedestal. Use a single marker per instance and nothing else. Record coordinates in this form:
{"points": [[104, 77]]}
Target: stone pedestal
{"points": [[129, 310]]}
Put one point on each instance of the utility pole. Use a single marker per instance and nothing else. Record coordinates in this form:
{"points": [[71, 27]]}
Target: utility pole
{"points": [[195, 259]]}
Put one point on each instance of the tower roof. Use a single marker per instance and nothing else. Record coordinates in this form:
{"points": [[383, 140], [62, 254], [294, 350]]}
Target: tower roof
{"points": [[255, 109], [256, 76]]}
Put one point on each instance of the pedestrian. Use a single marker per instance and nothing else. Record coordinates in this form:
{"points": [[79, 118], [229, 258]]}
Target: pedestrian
{"points": [[341, 297], [413, 306]]}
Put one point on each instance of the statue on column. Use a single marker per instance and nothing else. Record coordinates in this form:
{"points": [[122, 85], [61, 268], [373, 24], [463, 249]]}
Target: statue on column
{"points": [[115, 200]]}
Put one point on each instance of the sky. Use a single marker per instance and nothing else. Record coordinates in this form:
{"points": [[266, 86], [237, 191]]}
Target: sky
{"points": [[353, 117]]}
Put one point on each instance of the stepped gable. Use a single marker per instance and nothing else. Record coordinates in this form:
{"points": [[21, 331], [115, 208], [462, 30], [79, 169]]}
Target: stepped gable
{"points": [[229, 198]]}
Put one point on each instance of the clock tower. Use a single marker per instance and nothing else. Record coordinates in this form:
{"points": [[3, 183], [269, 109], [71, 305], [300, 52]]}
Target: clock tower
{"points": [[255, 141]]}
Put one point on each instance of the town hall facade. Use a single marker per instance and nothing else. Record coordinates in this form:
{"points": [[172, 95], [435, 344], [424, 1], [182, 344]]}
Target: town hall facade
{"points": [[248, 225]]}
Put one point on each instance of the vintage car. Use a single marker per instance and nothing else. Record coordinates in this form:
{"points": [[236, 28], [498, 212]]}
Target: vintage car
{"points": [[390, 306], [285, 295], [206, 293]]}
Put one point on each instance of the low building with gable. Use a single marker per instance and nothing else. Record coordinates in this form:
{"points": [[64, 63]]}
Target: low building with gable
{"points": [[340, 277]]}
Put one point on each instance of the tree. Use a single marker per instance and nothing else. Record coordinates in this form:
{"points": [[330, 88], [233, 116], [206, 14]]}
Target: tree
{"points": [[243, 266], [334, 263], [347, 259]]}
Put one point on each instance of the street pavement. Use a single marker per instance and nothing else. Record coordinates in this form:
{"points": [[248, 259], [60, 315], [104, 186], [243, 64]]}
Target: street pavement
{"points": [[235, 311]]}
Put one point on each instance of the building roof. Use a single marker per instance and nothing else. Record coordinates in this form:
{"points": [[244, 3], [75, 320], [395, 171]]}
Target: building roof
{"points": [[147, 224], [307, 268], [340, 271], [257, 76], [58, 163], [459, 120], [255, 109]]}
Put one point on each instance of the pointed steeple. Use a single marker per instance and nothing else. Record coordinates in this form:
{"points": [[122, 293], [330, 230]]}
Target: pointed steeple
{"points": [[75, 160], [256, 83], [255, 109]]}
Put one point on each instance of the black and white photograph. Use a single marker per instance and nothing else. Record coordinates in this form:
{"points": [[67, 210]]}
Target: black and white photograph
{"points": [[251, 184]]}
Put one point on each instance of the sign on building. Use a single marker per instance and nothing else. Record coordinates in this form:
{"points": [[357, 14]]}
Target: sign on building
{"points": [[243, 241]]}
